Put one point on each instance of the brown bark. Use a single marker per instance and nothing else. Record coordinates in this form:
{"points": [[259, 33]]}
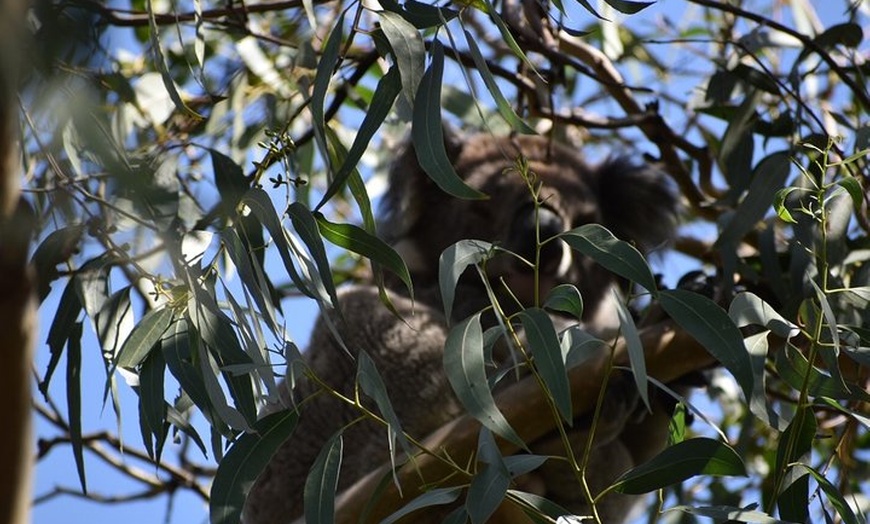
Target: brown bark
{"points": [[670, 355], [17, 303]]}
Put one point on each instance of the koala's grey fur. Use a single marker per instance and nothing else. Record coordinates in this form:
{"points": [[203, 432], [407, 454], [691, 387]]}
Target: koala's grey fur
{"points": [[633, 201]]}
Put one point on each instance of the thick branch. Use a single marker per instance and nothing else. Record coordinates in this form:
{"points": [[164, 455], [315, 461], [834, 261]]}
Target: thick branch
{"points": [[670, 354]]}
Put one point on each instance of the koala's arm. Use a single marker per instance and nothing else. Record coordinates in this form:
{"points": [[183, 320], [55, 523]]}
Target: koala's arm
{"points": [[407, 352]]}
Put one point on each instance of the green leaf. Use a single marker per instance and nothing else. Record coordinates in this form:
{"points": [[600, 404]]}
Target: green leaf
{"points": [[260, 204], [435, 497], [627, 6], [519, 465], [578, 346], [466, 371], [794, 369], [504, 107], [422, 15], [152, 407], [748, 309], [306, 226], [794, 445], [613, 254], [115, 321], [356, 239], [57, 247], [382, 101], [489, 486], [729, 514], [427, 134], [636, 355], [408, 50], [229, 179], [853, 187], [834, 496], [371, 383], [697, 456], [63, 324], [74, 399], [565, 298], [779, 205], [243, 463], [544, 346], [540, 504], [709, 324], [847, 34], [178, 357], [768, 177], [325, 67], [144, 336], [252, 278], [453, 262], [163, 67], [322, 482], [508, 36]]}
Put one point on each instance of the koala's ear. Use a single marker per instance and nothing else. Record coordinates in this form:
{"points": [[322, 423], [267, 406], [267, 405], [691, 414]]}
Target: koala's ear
{"points": [[409, 187], [637, 202]]}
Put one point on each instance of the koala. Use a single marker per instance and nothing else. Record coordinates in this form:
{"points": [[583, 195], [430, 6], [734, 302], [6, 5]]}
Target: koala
{"points": [[633, 200]]}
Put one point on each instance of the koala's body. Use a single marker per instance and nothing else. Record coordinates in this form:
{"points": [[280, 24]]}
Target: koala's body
{"points": [[631, 200]]}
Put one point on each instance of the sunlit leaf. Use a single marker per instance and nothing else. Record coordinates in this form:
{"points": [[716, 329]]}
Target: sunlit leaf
{"points": [[709, 324], [144, 336], [697, 456]]}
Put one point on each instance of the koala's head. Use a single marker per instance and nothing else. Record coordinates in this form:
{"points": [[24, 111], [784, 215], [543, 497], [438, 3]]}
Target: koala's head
{"points": [[634, 201]]}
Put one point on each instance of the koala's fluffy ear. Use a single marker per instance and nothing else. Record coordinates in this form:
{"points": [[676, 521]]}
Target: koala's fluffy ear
{"points": [[408, 188], [637, 202]]}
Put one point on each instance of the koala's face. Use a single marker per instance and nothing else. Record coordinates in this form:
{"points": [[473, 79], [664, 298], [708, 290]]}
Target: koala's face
{"points": [[632, 201]]}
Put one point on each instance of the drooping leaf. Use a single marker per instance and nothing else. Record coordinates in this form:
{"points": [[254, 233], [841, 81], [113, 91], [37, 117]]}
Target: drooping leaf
{"points": [[709, 324], [385, 94], [152, 407], [628, 6], [74, 399], [636, 354], [371, 383], [490, 484], [408, 50], [63, 324], [504, 107], [453, 262], [544, 347], [466, 371], [244, 462], [306, 226], [144, 336], [322, 482], [427, 133], [325, 68]]}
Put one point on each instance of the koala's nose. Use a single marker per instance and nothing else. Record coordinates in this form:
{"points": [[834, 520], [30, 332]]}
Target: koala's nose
{"points": [[523, 236]]}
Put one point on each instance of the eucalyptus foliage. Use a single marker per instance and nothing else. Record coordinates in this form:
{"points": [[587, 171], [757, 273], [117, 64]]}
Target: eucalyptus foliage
{"points": [[200, 172]]}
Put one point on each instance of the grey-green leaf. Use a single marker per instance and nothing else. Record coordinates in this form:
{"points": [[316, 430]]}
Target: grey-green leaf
{"points": [[144, 336], [359, 241], [453, 262], [697, 456], [490, 484], [322, 482], [244, 462], [427, 133], [615, 255], [466, 371], [408, 50], [636, 354], [544, 346], [709, 324], [435, 497], [565, 298]]}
